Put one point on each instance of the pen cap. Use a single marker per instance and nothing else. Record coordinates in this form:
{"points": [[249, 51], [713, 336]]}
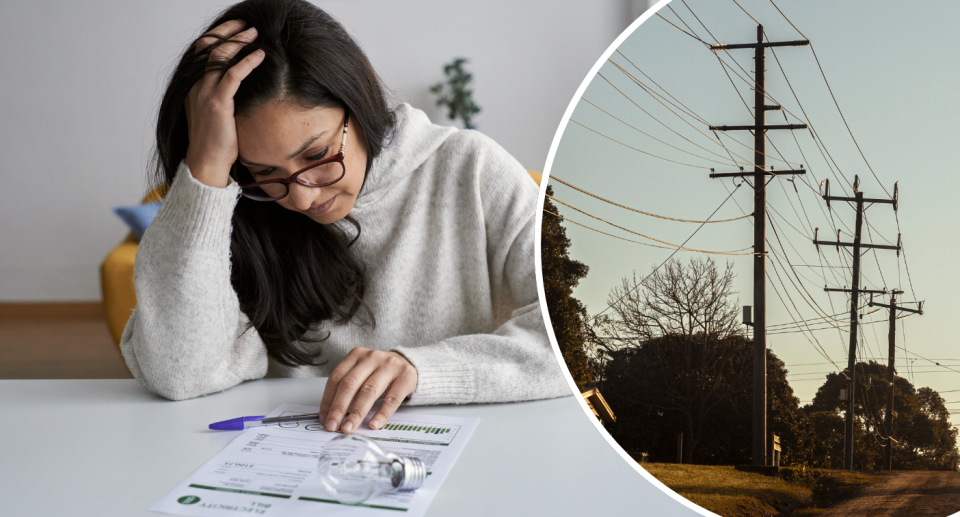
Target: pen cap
{"points": [[234, 424]]}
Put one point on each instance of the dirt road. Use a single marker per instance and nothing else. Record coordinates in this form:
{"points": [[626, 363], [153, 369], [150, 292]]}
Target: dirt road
{"points": [[906, 493]]}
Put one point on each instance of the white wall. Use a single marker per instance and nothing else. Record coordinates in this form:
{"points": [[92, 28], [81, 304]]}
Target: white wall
{"points": [[80, 82]]}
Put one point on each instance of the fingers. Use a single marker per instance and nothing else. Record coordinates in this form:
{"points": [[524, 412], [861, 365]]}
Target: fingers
{"points": [[347, 390], [225, 52], [229, 48], [225, 30], [333, 382], [230, 82], [368, 393], [396, 393], [358, 381]]}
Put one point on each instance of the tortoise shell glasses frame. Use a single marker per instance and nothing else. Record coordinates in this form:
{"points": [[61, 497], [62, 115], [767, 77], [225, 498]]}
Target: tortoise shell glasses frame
{"points": [[268, 190]]}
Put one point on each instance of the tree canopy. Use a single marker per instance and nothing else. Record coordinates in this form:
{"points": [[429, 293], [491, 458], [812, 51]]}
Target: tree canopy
{"points": [[922, 433], [560, 275]]}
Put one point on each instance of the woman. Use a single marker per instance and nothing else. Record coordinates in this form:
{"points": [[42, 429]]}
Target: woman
{"points": [[310, 231]]}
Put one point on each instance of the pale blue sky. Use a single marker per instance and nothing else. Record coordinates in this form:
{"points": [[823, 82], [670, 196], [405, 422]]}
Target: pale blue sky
{"points": [[893, 69]]}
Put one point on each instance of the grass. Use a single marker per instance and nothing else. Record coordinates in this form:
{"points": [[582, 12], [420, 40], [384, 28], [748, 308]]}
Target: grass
{"points": [[731, 493]]}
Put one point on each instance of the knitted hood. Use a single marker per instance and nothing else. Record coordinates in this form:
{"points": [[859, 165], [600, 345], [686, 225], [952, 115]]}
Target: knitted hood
{"points": [[414, 140]]}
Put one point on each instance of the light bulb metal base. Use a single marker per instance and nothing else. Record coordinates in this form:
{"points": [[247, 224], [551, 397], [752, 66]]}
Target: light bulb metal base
{"points": [[414, 473]]}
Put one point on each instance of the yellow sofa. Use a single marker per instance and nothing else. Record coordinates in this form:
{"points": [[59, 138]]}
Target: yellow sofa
{"points": [[116, 279], [116, 276]]}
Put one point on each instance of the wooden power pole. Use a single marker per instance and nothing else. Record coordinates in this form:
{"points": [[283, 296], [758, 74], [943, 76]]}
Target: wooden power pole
{"points": [[855, 293], [759, 175], [891, 369]]}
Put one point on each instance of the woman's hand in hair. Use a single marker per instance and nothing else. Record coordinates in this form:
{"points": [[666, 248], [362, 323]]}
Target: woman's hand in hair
{"points": [[362, 377], [211, 126]]}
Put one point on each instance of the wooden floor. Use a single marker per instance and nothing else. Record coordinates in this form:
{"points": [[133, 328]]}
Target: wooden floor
{"points": [[59, 348]]}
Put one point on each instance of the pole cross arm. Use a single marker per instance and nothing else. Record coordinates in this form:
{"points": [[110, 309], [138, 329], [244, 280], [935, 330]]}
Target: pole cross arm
{"points": [[862, 246], [854, 200], [751, 128], [817, 242], [751, 174], [856, 182], [845, 290], [734, 46], [918, 310]]}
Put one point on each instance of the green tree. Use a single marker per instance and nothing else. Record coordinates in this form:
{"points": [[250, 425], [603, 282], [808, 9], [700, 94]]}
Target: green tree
{"points": [[680, 362], [785, 418], [560, 275], [643, 425], [923, 436]]}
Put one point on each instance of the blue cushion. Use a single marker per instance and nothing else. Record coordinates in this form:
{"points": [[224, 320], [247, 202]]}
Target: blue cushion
{"points": [[138, 217]]}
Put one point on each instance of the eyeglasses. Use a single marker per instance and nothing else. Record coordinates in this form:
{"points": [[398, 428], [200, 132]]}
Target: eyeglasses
{"points": [[324, 173]]}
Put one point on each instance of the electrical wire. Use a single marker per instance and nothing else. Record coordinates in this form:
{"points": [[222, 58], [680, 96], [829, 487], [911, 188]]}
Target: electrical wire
{"points": [[567, 219], [638, 150], [642, 235], [611, 304], [555, 178], [618, 119]]}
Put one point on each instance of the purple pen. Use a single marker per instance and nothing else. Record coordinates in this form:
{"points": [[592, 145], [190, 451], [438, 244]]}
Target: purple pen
{"points": [[244, 422]]}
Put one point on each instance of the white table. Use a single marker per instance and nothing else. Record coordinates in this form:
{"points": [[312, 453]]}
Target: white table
{"points": [[110, 448]]}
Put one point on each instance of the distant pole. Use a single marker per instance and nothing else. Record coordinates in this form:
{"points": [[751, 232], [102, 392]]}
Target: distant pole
{"points": [[855, 292], [854, 325], [891, 354], [891, 368]]}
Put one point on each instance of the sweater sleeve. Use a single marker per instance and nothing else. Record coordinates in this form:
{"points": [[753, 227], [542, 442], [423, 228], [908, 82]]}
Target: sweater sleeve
{"points": [[188, 337], [516, 360]]}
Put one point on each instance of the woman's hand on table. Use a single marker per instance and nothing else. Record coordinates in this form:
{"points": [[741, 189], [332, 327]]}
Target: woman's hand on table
{"points": [[362, 377], [211, 125]]}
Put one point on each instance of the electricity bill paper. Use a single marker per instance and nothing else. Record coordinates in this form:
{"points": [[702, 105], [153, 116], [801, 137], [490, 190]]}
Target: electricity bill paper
{"points": [[270, 470]]}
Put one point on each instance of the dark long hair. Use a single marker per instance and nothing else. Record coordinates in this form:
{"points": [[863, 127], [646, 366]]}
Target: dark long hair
{"points": [[289, 272]]}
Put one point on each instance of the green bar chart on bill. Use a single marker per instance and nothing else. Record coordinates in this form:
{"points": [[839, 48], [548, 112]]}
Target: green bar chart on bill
{"points": [[417, 432]]}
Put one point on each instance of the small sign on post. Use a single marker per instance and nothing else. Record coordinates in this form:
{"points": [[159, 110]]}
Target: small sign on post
{"points": [[775, 450]]}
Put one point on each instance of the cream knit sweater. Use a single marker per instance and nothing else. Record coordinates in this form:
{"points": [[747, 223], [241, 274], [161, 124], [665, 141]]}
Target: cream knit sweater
{"points": [[447, 222]]}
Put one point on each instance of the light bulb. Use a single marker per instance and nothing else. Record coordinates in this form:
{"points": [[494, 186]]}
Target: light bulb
{"points": [[353, 468]]}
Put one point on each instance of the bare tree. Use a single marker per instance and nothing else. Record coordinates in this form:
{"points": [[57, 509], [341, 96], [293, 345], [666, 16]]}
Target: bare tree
{"points": [[675, 343], [675, 300]]}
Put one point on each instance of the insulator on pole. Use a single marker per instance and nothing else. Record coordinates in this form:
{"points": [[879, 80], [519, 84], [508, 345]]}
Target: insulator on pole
{"points": [[856, 182], [896, 195], [815, 243], [898, 244]]}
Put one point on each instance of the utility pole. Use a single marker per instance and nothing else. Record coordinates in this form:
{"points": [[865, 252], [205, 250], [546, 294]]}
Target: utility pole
{"points": [[855, 292], [891, 364], [759, 174]]}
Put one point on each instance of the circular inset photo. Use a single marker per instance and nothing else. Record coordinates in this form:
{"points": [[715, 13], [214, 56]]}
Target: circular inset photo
{"points": [[744, 248]]}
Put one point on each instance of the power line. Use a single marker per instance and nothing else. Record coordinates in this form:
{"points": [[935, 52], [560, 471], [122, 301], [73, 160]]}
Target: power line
{"points": [[681, 30], [641, 211], [610, 305], [655, 96], [748, 14], [930, 360], [638, 150], [567, 219], [835, 103], [642, 235], [653, 137]]}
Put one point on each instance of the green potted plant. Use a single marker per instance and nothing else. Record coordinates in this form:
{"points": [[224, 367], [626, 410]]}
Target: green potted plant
{"points": [[455, 94]]}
